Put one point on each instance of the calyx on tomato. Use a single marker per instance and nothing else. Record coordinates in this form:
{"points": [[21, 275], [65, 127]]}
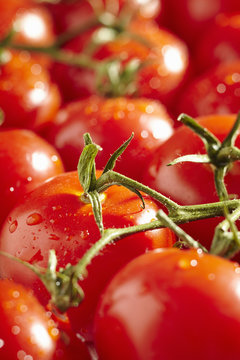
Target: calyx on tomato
{"points": [[63, 284]]}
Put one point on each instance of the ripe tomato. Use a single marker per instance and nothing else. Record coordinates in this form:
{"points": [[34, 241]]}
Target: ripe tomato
{"points": [[165, 69], [171, 304], [215, 92], [26, 160], [192, 183], [110, 122], [190, 18], [28, 98], [220, 42], [32, 25], [8, 11], [54, 217], [26, 330], [69, 347]]}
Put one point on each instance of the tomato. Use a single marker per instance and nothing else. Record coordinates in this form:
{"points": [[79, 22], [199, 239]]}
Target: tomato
{"points": [[164, 72], [26, 330], [8, 11], [69, 346], [215, 92], [219, 43], [190, 18], [26, 160], [110, 122], [54, 217], [68, 15], [192, 183], [28, 97], [171, 304], [32, 25]]}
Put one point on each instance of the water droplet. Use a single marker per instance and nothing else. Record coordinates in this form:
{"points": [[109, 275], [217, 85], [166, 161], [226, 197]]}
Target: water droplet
{"points": [[184, 264], [55, 332], [13, 226], [193, 262], [34, 219], [23, 308], [54, 237], [21, 354], [211, 276], [15, 330], [1, 343], [16, 294]]}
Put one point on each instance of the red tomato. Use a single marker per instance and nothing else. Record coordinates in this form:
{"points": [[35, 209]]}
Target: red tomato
{"points": [[26, 160], [26, 330], [32, 24], [192, 183], [54, 217], [171, 304], [167, 65], [215, 92], [69, 15], [28, 98], [8, 10], [220, 42], [190, 18], [69, 347], [110, 122]]}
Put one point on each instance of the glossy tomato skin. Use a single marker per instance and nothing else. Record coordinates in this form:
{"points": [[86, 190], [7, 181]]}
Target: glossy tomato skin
{"points": [[189, 19], [165, 70], [69, 347], [187, 297], [216, 91], [8, 11], [54, 217], [26, 160], [110, 122], [192, 183], [32, 24], [219, 42], [28, 97], [26, 329]]}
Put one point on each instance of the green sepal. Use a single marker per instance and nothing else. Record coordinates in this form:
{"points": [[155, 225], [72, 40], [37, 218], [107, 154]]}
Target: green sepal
{"points": [[94, 198], [112, 161], [204, 159], [86, 166]]}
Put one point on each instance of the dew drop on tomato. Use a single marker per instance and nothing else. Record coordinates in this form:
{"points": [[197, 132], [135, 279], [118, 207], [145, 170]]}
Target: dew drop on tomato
{"points": [[34, 219], [13, 226]]}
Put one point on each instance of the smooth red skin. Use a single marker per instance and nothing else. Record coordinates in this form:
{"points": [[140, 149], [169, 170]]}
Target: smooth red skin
{"points": [[192, 183], [219, 42], [70, 15], [215, 92], [15, 13], [154, 81], [53, 217], [20, 312], [110, 122], [164, 305], [8, 10], [69, 347], [28, 99], [189, 19], [19, 173]]}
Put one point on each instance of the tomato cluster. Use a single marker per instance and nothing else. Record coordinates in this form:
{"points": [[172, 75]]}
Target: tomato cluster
{"points": [[106, 251]]}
